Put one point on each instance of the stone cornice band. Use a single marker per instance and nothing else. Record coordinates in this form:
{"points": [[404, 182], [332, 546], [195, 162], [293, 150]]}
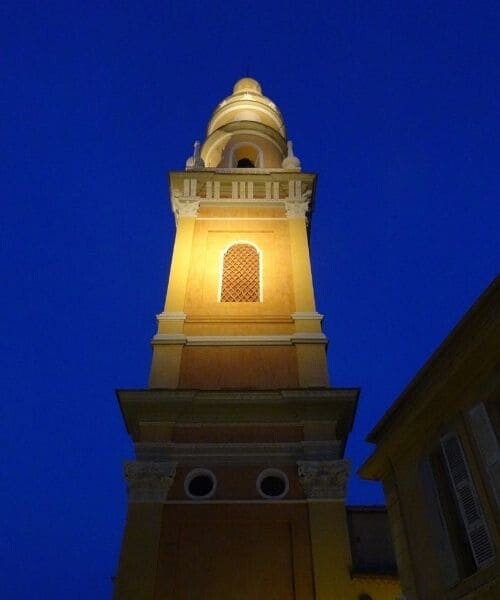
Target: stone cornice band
{"points": [[239, 340]]}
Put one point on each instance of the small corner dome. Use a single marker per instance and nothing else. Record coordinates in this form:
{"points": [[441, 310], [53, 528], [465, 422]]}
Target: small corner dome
{"points": [[247, 84]]}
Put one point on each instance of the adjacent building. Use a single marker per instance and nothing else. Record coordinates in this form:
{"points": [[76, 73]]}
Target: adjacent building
{"points": [[438, 457]]}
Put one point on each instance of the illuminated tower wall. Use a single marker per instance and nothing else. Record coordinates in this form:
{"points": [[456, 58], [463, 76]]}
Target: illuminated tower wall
{"points": [[238, 486]]}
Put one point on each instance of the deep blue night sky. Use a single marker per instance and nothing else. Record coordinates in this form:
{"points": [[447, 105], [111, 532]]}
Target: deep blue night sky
{"points": [[394, 104]]}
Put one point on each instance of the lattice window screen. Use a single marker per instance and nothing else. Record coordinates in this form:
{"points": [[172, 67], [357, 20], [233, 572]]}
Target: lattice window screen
{"points": [[240, 274]]}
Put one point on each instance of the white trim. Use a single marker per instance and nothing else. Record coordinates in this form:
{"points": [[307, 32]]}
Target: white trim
{"points": [[240, 340], [307, 316], [259, 202], [242, 218], [196, 473], [169, 338], [171, 316], [309, 338], [221, 270], [272, 473]]}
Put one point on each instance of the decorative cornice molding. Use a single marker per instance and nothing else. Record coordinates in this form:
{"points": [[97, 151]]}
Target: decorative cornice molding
{"points": [[171, 316], [309, 338], [149, 481], [169, 338], [325, 479], [240, 340], [306, 316], [189, 407], [240, 453]]}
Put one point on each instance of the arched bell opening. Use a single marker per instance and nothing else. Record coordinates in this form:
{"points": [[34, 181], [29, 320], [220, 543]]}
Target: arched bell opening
{"points": [[245, 163], [246, 155]]}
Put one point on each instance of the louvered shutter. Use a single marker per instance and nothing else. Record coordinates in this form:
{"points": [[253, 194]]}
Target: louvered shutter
{"points": [[468, 501], [487, 443]]}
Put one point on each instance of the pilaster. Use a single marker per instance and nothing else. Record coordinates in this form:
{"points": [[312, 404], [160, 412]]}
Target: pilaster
{"points": [[148, 484], [324, 483]]}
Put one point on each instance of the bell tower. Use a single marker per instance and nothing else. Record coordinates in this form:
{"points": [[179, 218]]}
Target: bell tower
{"points": [[239, 310], [238, 486]]}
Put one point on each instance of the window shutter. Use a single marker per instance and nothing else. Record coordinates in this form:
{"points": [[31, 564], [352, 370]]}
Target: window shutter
{"points": [[447, 564], [468, 501], [487, 443]]}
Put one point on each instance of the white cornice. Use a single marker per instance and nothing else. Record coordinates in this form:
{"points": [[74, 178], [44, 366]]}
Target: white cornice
{"points": [[171, 316], [307, 316], [239, 340], [242, 218], [169, 338], [309, 338]]}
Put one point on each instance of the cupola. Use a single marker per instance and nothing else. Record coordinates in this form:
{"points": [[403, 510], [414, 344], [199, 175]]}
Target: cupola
{"points": [[245, 131]]}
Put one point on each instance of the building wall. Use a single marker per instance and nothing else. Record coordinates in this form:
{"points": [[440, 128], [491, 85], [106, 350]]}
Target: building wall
{"points": [[246, 551], [438, 456]]}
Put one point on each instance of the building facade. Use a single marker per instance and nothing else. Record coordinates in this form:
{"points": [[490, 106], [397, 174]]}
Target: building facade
{"points": [[438, 457], [238, 487]]}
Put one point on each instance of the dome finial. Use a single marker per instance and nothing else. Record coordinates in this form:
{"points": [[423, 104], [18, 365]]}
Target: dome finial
{"points": [[195, 161], [290, 161], [247, 84]]}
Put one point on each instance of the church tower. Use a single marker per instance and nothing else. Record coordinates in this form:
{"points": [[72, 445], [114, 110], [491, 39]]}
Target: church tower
{"points": [[238, 486]]}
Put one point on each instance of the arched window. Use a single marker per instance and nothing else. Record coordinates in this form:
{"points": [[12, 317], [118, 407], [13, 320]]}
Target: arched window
{"points": [[246, 155], [240, 274], [245, 163]]}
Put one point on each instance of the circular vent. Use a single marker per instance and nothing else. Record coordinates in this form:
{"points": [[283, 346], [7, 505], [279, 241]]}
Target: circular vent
{"points": [[200, 484], [273, 484]]}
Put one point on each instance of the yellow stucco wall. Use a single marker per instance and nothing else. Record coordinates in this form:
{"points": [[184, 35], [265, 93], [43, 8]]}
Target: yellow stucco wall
{"points": [[194, 291]]}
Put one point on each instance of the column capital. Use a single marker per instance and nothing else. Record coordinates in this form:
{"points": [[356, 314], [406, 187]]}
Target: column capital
{"points": [[296, 209], [298, 203], [185, 206], [149, 481], [324, 479]]}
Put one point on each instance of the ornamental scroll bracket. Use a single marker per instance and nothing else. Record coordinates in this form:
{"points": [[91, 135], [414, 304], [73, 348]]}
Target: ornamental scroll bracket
{"points": [[149, 481], [324, 479]]}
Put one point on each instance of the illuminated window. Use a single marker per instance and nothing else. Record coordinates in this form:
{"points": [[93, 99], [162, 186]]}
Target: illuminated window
{"points": [[240, 274]]}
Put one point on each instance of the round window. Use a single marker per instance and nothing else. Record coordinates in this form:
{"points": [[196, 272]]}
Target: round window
{"points": [[200, 484], [272, 483]]}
